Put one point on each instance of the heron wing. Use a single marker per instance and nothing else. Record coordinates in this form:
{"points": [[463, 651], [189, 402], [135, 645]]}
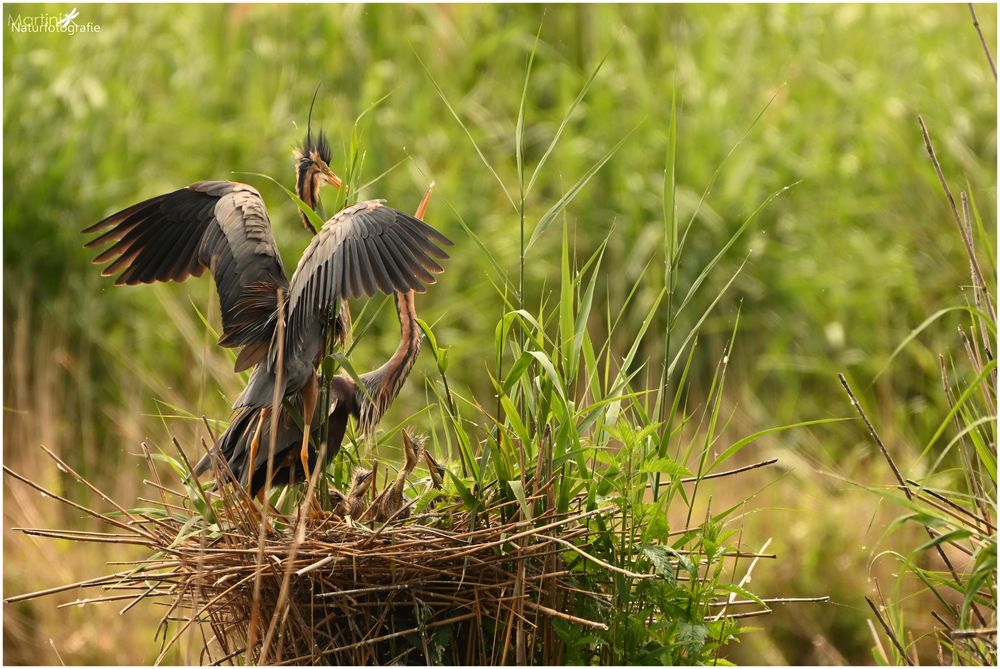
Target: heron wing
{"points": [[366, 248], [218, 225]]}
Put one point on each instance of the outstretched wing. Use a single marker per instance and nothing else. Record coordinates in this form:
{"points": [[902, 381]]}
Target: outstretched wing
{"points": [[364, 249], [217, 225]]}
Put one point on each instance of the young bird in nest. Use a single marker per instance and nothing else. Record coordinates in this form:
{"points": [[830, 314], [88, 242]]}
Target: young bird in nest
{"points": [[353, 504], [391, 501], [436, 469]]}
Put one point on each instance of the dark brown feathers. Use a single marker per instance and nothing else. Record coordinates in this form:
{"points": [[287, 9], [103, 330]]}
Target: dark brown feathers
{"points": [[217, 225]]}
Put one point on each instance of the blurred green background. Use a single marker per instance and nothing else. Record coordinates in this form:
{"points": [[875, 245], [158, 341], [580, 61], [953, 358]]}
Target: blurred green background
{"points": [[841, 266]]}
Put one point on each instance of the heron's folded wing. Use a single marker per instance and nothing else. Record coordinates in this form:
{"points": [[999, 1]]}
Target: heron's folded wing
{"points": [[218, 225]]}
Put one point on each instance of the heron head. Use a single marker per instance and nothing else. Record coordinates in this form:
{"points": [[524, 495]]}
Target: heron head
{"points": [[435, 468], [336, 499], [362, 481], [312, 171], [413, 446], [313, 164], [342, 391]]}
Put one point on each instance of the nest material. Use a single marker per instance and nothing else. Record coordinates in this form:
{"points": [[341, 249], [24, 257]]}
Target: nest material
{"points": [[399, 593], [445, 586]]}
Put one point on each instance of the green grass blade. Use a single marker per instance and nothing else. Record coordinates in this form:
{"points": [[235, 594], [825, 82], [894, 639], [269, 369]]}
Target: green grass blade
{"points": [[915, 332], [738, 445], [468, 133], [562, 126], [555, 209]]}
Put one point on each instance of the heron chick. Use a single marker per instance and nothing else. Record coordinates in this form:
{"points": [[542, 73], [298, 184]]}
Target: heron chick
{"points": [[389, 503], [354, 504]]}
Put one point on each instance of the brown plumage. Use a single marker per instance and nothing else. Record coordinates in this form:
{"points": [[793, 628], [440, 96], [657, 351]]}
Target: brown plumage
{"points": [[217, 225], [365, 248], [391, 501], [354, 504], [346, 399]]}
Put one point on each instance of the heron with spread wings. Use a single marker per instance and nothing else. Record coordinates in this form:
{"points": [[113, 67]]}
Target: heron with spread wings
{"points": [[224, 227], [367, 402]]}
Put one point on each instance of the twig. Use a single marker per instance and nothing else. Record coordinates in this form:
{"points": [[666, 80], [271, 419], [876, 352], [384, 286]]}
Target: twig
{"points": [[565, 616], [982, 40], [971, 634], [79, 507], [888, 631], [63, 588], [588, 556], [902, 484], [729, 472], [874, 434], [773, 600], [746, 576], [268, 476], [952, 504], [56, 651], [954, 212]]}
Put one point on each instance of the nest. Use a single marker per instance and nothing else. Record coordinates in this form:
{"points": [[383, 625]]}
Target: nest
{"points": [[397, 593], [443, 586]]}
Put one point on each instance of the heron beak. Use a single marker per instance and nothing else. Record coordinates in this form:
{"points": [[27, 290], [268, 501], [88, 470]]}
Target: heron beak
{"points": [[435, 469], [333, 179]]}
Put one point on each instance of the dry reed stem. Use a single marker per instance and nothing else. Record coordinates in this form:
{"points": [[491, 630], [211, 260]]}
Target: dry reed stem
{"points": [[889, 632], [906, 489], [982, 40], [966, 237]]}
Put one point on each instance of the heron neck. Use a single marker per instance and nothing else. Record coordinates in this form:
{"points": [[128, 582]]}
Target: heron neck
{"points": [[384, 383], [396, 369], [307, 188], [409, 331]]}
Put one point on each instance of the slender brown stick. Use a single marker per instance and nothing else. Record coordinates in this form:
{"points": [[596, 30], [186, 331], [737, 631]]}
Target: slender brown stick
{"points": [[902, 484], [888, 630], [268, 474], [79, 507], [773, 600], [728, 472], [954, 212], [952, 504], [878, 440], [982, 40]]}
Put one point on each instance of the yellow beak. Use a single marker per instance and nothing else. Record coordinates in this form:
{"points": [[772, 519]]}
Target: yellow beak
{"points": [[333, 179]]}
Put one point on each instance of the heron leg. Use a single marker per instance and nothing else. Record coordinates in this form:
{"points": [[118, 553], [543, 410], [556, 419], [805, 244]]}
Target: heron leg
{"points": [[262, 501], [310, 395], [254, 447]]}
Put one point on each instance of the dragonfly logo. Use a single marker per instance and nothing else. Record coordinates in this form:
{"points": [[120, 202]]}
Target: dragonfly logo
{"points": [[68, 19], [51, 23]]}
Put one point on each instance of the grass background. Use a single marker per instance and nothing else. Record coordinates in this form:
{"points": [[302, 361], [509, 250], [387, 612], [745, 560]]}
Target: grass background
{"points": [[841, 267]]}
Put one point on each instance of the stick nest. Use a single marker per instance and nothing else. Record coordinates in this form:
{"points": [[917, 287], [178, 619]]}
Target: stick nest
{"points": [[443, 586]]}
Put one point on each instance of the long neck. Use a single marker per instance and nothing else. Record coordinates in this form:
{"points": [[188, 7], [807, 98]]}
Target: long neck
{"points": [[384, 383], [307, 188]]}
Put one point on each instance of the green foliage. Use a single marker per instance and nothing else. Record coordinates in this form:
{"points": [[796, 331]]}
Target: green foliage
{"points": [[954, 500], [566, 116]]}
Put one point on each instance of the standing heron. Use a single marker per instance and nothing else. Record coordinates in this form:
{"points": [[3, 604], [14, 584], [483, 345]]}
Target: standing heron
{"points": [[224, 226]]}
